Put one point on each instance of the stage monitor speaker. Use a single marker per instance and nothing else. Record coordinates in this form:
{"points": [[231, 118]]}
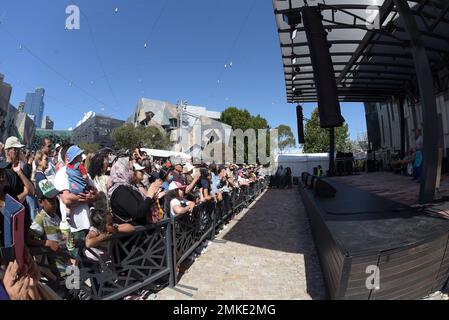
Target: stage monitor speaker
{"points": [[304, 176], [300, 119], [323, 69], [309, 181], [312, 182], [323, 189]]}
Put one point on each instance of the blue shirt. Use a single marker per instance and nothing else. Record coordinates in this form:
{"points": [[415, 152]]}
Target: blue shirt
{"points": [[3, 293]]}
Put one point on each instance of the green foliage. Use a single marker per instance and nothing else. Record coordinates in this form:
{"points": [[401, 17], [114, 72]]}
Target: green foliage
{"points": [[317, 138], [128, 136], [286, 138], [89, 147]]}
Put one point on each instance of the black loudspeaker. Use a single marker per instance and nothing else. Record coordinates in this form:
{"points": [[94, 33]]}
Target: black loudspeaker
{"points": [[309, 181], [323, 189], [323, 69], [300, 118], [312, 182], [304, 176]]}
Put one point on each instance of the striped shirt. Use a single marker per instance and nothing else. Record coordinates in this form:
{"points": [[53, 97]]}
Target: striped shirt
{"points": [[46, 227]]}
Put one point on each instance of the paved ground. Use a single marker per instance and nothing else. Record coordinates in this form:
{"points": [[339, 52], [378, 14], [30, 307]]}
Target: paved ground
{"points": [[266, 252]]}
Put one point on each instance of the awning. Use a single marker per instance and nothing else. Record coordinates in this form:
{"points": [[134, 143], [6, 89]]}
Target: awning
{"points": [[371, 63]]}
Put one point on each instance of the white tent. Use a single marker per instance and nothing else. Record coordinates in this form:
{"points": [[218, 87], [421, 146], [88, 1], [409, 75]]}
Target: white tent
{"points": [[165, 154]]}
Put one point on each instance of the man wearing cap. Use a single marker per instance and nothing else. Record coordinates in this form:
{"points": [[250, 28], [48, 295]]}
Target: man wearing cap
{"points": [[79, 204], [18, 185]]}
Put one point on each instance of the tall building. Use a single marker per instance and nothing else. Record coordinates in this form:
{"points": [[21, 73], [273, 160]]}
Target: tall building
{"points": [[47, 123], [5, 95], [34, 105], [96, 129]]}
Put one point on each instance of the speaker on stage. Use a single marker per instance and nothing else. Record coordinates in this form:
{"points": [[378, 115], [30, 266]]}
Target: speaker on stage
{"points": [[300, 119], [323, 189], [323, 69], [304, 176]]}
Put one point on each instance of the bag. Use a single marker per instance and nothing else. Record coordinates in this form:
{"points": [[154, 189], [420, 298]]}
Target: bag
{"points": [[156, 214]]}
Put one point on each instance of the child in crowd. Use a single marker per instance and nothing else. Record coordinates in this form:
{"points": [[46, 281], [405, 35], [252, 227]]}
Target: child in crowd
{"points": [[77, 173], [102, 229], [179, 205], [45, 231]]}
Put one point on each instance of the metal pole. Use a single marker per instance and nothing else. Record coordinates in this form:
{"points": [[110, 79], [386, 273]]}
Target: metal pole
{"points": [[428, 102], [331, 171], [402, 124]]}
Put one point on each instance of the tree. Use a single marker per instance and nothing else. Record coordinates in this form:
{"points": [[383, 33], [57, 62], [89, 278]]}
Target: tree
{"points": [[317, 138], [89, 147], [286, 138], [242, 119], [128, 136]]}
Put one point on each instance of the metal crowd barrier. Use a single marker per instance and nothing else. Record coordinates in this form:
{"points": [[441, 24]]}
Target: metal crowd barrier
{"points": [[155, 252]]}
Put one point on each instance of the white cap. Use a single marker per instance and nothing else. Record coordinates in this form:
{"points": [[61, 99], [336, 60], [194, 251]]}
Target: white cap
{"points": [[188, 167], [13, 142], [138, 167]]}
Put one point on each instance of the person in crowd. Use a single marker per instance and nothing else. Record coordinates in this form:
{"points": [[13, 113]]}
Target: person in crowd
{"points": [[137, 154], [205, 185], [45, 148], [45, 230], [147, 173], [76, 171], [2, 152], [418, 156], [241, 180], [78, 216], [128, 203], [99, 173], [166, 175], [178, 174], [175, 197], [138, 177], [41, 164], [27, 168], [404, 165], [17, 184], [288, 177], [101, 230]]}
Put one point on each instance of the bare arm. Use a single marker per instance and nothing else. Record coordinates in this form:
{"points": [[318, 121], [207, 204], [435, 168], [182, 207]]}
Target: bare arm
{"points": [[193, 184]]}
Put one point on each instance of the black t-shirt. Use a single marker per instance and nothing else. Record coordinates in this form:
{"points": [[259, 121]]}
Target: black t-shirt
{"points": [[27, 170], [14, 186], [129, 206]]}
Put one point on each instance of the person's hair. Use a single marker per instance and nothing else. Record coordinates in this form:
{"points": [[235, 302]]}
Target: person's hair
{"points": [[147, 164], [43, 142], [64, 150], [96, 165], [38, 158], [98, 219]]}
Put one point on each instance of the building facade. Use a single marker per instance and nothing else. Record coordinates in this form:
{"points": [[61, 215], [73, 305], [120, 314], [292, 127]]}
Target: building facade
{"points": [[96, 129], [47, 123], [34, 105], [5, 95], [191, 128]]}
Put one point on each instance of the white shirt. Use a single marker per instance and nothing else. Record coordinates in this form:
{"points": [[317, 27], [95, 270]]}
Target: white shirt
{"points": [[173, 203], [80, 214]]}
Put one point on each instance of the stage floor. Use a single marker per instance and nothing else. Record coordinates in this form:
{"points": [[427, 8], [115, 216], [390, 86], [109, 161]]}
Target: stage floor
{"points": [[392, 186], [370, 223]]}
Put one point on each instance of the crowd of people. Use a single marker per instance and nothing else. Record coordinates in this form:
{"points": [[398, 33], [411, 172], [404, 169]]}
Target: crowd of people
{"points": [[74, 202]]}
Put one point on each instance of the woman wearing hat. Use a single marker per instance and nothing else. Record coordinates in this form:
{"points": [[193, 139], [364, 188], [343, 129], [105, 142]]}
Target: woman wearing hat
{"points": [[175, 197]]}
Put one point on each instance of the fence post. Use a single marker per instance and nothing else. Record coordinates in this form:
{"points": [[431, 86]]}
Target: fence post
{"points": [[170, 251]]}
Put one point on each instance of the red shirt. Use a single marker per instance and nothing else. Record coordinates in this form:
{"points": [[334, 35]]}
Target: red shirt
{"points": [[81, 168]]}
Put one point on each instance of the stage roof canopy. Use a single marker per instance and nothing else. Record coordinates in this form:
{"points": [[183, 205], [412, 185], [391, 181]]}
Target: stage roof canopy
{"points": [[371, 62]]}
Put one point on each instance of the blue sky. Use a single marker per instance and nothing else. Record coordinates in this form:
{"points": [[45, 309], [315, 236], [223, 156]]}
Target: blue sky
{"points": [[106, 68]]}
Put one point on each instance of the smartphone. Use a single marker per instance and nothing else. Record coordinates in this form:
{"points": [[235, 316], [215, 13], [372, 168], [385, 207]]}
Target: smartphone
{"points": [[14, 225], [18, 234]]}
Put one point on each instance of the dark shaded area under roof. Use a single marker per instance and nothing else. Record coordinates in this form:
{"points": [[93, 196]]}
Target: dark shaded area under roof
{"points": [[372, 63]]}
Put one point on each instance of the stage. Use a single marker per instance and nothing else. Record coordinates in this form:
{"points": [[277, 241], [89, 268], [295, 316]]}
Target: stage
{"points": [[370, 223]]}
